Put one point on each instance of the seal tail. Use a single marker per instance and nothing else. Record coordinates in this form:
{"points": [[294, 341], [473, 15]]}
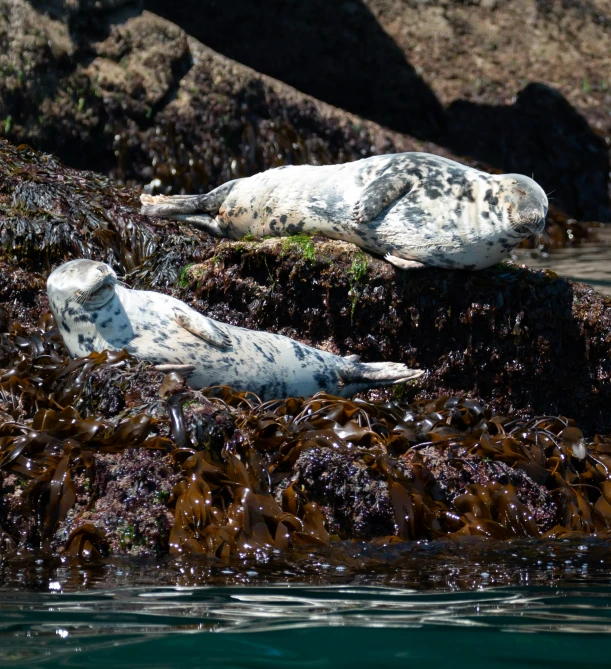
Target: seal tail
{"points": [[361, 375]]}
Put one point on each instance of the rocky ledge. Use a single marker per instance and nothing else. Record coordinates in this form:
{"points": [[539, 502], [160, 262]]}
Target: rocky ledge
{"points": [[104, 455]]}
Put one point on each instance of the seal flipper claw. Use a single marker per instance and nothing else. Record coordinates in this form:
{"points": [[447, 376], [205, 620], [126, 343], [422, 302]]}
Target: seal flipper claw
{"points": [[202, 327], [381, 193], [402, 263]]}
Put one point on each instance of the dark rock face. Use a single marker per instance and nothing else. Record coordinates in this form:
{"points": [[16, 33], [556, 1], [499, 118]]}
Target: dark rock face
{"points": [[509, 335]]}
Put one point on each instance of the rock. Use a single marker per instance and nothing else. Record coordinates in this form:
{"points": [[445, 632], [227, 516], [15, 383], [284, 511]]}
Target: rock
{"points": [[510, 335], [130, 94], [97, 459]]}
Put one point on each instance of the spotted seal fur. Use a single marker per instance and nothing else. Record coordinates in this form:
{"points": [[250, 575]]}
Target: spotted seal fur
{"points": [[415, 209], [95, 313]]}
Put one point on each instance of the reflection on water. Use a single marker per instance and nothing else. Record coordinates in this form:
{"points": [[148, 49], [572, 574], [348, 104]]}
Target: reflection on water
{"points": [[304, 626], [430, 566], [590, 263], [529, 602]]}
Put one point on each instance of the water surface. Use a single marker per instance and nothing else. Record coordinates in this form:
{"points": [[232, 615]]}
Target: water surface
{"points": [[589, 262], [479, 603]]}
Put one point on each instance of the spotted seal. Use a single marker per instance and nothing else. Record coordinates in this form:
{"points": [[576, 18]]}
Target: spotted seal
{"points": [[415, 209], [95, 313]]}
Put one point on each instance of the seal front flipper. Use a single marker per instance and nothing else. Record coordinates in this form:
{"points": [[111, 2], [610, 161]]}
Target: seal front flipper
{"points": [[202, 327], [381, 193], [403, 263], [174, 367]]}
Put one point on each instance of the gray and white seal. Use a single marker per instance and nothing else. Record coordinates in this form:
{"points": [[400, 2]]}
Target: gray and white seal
{"points": [[95, 313], [415, 209]]}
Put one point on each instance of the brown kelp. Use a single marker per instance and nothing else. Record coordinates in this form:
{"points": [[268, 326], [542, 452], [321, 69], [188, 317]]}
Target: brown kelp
{"points": [[106, 455], [219, 473]]}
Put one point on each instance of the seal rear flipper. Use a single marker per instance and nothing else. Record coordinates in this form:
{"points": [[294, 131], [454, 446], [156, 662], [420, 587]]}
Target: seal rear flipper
{"points": [[172, 205], [202, 327], [373, 374], [202, 221], [381, 193]]}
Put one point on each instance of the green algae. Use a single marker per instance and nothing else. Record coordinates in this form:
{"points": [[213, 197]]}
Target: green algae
{"points": [[356, 274], [183, 280], [303, 244]]}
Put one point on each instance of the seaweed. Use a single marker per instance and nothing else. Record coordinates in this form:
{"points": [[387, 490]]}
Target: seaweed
{"points": [[103, 455], [251, 477]]}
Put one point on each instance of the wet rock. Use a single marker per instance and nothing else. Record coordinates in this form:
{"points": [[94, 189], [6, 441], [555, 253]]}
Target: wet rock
{"points": [[453, 474], [510, 335], [129, 504], [97, 458], [355, 499]]}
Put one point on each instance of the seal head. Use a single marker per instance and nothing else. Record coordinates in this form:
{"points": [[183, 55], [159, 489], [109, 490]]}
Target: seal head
{"points": [[526, 204], [89, 284]]}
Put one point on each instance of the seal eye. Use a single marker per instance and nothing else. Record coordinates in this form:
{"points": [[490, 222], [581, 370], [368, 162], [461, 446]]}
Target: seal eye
{"points": [[523, 230]]}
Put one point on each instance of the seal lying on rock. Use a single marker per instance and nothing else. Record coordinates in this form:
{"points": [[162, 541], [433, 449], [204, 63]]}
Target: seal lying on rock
{"points": [[415, 209], [94, 313]]}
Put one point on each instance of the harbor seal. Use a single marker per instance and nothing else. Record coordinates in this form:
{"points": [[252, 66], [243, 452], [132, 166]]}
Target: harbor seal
{"points": [[415, 209], [95, 313]]}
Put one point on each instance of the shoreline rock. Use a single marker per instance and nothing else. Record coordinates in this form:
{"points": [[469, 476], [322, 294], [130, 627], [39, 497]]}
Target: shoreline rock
{"points": [[104, 456]]}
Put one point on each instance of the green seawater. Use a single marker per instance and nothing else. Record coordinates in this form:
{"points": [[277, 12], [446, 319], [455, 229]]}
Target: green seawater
{"points": [[527, 603], [309, 627]]}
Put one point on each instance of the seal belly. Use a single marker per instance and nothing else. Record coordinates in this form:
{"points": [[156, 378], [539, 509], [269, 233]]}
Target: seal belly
{"points": [[290, 201], [269, 365]]}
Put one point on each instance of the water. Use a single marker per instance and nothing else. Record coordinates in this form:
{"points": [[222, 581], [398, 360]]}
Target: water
{"points": [[310, 627], [590, 263], [479, 603]]}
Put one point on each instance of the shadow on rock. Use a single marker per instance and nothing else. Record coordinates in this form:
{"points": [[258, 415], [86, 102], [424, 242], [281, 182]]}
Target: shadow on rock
{"points": [[339, 53], [334, 51], [542, 135]]}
